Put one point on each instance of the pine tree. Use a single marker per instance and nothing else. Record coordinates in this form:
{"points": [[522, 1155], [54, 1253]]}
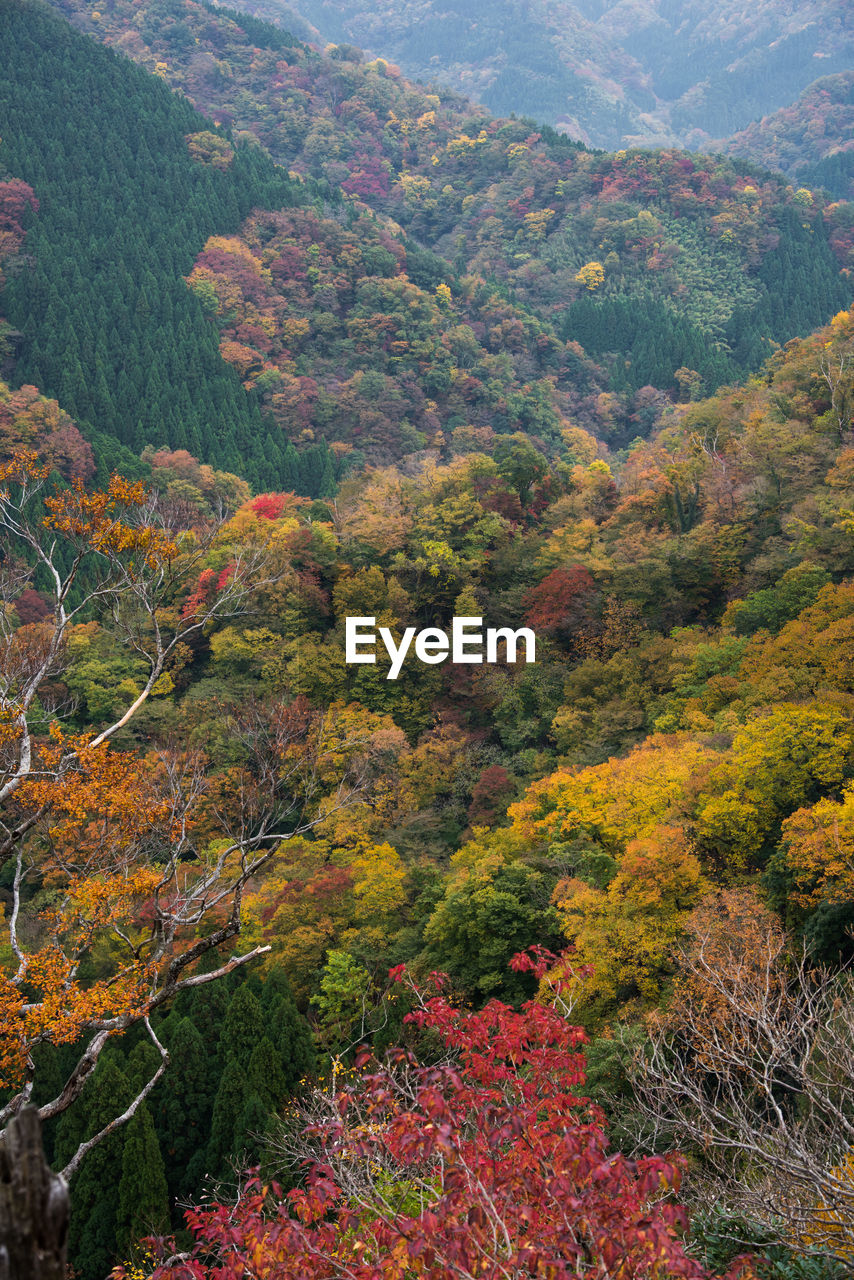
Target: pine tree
{"points": [[249, 1132], [231, 1099], [265, 1075], [291, 1036], [184, 1107], [94, 1197], [143, 1201], [244, 1025]]}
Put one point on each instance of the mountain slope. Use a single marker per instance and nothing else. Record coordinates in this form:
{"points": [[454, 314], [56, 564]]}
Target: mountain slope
{"points": [[130, 181], [811, 141], [613, 74], [706, 264]]}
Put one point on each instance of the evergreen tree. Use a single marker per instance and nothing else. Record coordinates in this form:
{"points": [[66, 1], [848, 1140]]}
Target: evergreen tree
{"points": [[183, 1107], [231, 1099], [243, 1027], [103, 144], [94, 1192], [265, 1076], [291, 1036], [143, 1203]]}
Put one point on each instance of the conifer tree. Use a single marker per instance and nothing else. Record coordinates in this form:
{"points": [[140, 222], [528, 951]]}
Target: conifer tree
{"points": [[143, 1203], [184, 1107], [94, 1199], [231, 1099], [244, 1025]]}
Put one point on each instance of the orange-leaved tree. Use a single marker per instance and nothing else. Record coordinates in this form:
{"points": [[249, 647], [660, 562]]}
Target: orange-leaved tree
{"points": [[127, 868]]}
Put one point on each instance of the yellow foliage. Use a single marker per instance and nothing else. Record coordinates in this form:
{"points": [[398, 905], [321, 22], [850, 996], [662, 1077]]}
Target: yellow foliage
{"points": [[378, 885], [536, 224], [627, 932], [615, 801], [591, 275], [831, 1229]]}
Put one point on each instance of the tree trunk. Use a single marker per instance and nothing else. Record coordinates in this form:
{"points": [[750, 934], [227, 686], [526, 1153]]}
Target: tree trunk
{"points": [[33, 1205]]}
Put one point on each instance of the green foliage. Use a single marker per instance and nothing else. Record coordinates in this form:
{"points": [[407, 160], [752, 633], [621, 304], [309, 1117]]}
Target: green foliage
{"points": [[143, 1205], [95, 1201], [485, 917], [243, 1026], [227, 1129], [772, 607], [183, 1108], [109, 325], [718, 1239], [342, 1000], [708, 262]]}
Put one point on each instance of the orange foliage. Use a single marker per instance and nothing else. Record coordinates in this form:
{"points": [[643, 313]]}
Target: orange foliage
{"points": [[96, 519]]}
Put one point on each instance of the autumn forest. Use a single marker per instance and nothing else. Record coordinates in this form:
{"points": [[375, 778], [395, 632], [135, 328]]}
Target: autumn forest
{"points": [[490, 970]]}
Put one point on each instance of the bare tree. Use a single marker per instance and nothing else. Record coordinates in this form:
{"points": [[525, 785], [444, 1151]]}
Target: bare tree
{"points": [[153, 854], [836, 370], [752, 1069]]}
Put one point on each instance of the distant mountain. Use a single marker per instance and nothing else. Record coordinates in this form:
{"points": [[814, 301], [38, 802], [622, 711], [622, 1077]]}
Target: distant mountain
{"points": [[811, 141], [655, 263], [672, 72]]}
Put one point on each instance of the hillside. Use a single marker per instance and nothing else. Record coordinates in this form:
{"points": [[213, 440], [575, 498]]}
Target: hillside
{"points": [[609, 73], [812, 141], [127, 181], [686, 737], [360, 352], [343, 335], [705, 263]]}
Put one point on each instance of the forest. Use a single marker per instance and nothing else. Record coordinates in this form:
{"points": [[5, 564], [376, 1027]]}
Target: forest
{"points": [[652, 261], [810, 140], [665, 73], [533, 970]]}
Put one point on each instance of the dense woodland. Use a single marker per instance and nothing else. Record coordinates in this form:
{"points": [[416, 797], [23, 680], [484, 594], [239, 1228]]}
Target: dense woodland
{"points": [[446, 366], [811, 140], [653, 262], [668, 72]]}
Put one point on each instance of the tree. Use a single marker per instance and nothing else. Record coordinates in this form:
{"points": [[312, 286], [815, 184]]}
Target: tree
{"points": [[140, 857], [143, 1206], [95, 1199], [288, 1031], [627, 932], [487, 912], [753, 1066], [484, 1165], [520, 464], [591, 275], [33, 1204], [231, 1098], [184, 1107], [560, 603]]}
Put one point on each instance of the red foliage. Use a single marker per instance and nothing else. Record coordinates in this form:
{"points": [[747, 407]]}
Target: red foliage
{"points": [[223, 579], [271, 506], [200, 596], [30, 420], [490, 796], [30, 606], [178, 460], [509, 1170], [369, 177], [15, 198], [557, 602]]}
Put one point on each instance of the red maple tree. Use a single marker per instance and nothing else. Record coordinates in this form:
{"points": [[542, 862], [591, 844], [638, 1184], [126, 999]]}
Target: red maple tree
{"points": [[484, 1164]]}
